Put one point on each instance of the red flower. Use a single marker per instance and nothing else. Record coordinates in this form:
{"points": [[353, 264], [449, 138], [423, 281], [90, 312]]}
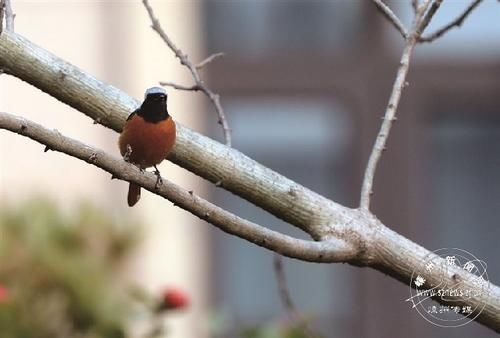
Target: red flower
{"points": [[174, 299], [4, 294]]}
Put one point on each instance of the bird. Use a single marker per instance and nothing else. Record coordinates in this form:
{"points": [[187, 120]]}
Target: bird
{"points": [[148, 136]]}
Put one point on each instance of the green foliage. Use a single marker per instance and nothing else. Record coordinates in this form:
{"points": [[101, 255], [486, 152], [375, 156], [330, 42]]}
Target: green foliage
{"points": [[220, 326], [62, 272]]}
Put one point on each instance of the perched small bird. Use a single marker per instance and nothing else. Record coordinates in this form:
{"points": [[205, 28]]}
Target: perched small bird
{"points": [[148, 136]]}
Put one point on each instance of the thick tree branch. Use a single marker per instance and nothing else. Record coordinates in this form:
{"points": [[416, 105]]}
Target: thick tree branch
{"points": [[226, 167], [455, 23], [388, 252], [199, 84], [376, 245], [391, 17], [396, 258], [327, 251]]}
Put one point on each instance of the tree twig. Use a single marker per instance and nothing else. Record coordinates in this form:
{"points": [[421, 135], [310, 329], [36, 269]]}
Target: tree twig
{"points": [[391, 17], [286, 298], [180, 87], [9, 16], [455, 23], [199, 83], [421, 20], [209, 59], [424, 22], [389, 118]]}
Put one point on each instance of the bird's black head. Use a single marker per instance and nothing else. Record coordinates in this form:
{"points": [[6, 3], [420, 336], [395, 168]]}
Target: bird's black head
{"points": [[154, 107]]}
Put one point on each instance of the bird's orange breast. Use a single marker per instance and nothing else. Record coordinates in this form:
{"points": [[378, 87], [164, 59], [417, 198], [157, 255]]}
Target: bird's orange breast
{"points": [[150, 142]]}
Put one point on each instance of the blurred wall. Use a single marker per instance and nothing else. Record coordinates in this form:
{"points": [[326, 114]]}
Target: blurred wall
{"points": [[113, 41]]}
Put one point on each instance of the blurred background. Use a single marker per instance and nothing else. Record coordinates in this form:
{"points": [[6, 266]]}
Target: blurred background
{"points": [[304, 85]]}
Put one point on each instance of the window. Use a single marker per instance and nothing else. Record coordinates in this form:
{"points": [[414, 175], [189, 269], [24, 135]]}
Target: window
{"points": [[259, 28], [306, 140]]}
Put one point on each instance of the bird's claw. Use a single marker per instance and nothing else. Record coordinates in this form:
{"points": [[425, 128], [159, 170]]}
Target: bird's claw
{"points": [[159, 180]]}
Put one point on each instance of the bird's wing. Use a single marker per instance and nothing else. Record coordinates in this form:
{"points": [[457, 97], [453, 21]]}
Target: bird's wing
{"points": [[133, 113]]}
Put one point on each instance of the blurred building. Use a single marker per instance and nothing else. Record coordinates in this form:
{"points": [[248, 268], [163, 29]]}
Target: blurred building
{"points": [[113, 41], [304, 85]]}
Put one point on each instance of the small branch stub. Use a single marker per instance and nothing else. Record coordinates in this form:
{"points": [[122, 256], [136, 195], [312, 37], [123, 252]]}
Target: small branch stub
{"points": [[126, 157], [209, 59], [9, 16], [93, 158]]}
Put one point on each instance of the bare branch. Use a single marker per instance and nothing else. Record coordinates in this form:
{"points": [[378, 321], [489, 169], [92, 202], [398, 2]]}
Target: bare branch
{"points": [[427, 18], [228, 168], [379, 146], [326, 251], [391, 17], [208, 60], [194, 72], [158, 29], [389, 118], [9, 16], [455, 23], [286, 298]]}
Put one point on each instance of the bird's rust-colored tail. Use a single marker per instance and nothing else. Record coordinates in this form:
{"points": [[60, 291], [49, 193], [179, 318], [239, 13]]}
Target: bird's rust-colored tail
{"points": [[134, 194]]}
